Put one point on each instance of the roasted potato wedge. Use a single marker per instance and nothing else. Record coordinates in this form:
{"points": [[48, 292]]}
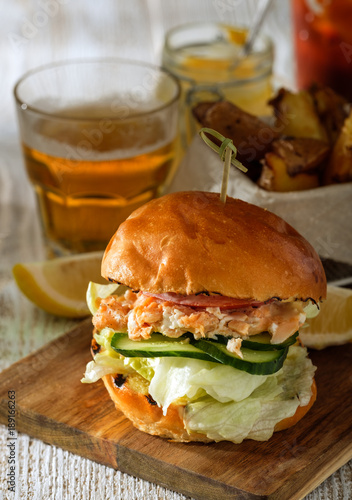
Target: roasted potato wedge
{"points": [[309, 145], [300, 154], [200, 111], [296, 115], [339, 168], [274, 176], [251, 136], [332, 110]]}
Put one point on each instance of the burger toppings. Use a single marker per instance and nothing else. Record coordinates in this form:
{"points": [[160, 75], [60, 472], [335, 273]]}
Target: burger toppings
{"points": [[229, 361], [134, 325], [234, 346], [258, 357], [215, 399], [141, 314], [205, 300]]}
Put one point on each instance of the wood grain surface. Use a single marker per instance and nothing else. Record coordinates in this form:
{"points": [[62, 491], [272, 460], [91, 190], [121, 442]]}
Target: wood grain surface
{"points": [[53, 405]]}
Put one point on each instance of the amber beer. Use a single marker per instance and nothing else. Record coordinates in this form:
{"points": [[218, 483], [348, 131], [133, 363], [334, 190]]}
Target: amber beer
{"points": [[92, 164], [97, 178]]}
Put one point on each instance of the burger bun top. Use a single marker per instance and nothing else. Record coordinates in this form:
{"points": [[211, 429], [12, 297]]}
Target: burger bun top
{"points": [[192, 242]]}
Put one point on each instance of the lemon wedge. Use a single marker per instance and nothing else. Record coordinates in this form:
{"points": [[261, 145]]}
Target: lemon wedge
{"points": [[333, 325], [59, 285]]}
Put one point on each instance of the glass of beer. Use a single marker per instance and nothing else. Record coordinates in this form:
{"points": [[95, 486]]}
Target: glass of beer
{"points": [[100, 138]]}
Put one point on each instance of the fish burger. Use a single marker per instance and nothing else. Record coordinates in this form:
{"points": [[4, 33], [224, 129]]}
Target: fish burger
{"points": [[196, 337]]}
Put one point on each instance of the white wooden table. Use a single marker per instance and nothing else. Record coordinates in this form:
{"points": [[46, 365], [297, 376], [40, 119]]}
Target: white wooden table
{"points": [[33, 33]]}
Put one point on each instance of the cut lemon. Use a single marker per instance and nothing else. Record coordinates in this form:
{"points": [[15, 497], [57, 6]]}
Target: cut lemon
{"points": [[333, 325], [59, 286]]}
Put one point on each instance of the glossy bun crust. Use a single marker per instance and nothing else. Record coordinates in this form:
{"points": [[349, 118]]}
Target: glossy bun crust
{"points": [[191, 242], [148, 417]]}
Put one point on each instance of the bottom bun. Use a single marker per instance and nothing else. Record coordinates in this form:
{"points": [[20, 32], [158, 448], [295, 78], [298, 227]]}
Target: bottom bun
{"points": [[148, 417]]}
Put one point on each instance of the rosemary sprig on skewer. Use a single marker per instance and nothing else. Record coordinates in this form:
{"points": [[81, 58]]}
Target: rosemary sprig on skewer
{"points": [[227, 152]]}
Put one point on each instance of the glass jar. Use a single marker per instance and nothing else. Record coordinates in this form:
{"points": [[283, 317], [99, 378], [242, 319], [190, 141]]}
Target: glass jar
{"points": [[207, 60]]}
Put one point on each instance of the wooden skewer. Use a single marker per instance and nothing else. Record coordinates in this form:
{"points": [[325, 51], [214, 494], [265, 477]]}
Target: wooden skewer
{"points": [[225, 174], [227, 153]]}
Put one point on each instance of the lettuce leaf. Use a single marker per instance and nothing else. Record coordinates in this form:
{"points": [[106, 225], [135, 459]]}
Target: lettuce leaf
{"points": [[179, 377], [222, 421], [102, 365], [238, 383], [144, 366], [103, 338], [296, 375], [106, 361], [311, 310], [173, 380], [256, 416]]}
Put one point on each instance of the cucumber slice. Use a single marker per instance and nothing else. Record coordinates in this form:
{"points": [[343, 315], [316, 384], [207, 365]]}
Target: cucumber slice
{"points": [[254, 362], [157, 346], [262, 342]]}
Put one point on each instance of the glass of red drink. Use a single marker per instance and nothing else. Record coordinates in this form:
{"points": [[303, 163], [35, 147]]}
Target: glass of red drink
{"points": [[323, 43]]}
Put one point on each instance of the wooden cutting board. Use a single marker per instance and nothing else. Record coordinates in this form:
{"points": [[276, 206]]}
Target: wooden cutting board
{"points": [[52, 405]]}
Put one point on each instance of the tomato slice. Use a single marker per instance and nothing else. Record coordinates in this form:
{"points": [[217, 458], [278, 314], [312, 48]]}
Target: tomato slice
{"points": [[206, 300]]}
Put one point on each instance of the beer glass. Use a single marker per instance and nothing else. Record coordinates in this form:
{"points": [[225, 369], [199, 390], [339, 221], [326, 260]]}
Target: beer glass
{"points": [[99, 139]]}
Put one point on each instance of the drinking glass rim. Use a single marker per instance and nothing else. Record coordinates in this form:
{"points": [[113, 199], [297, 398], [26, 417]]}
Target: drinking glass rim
{"points": [[187, 26], [111, 60]]}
